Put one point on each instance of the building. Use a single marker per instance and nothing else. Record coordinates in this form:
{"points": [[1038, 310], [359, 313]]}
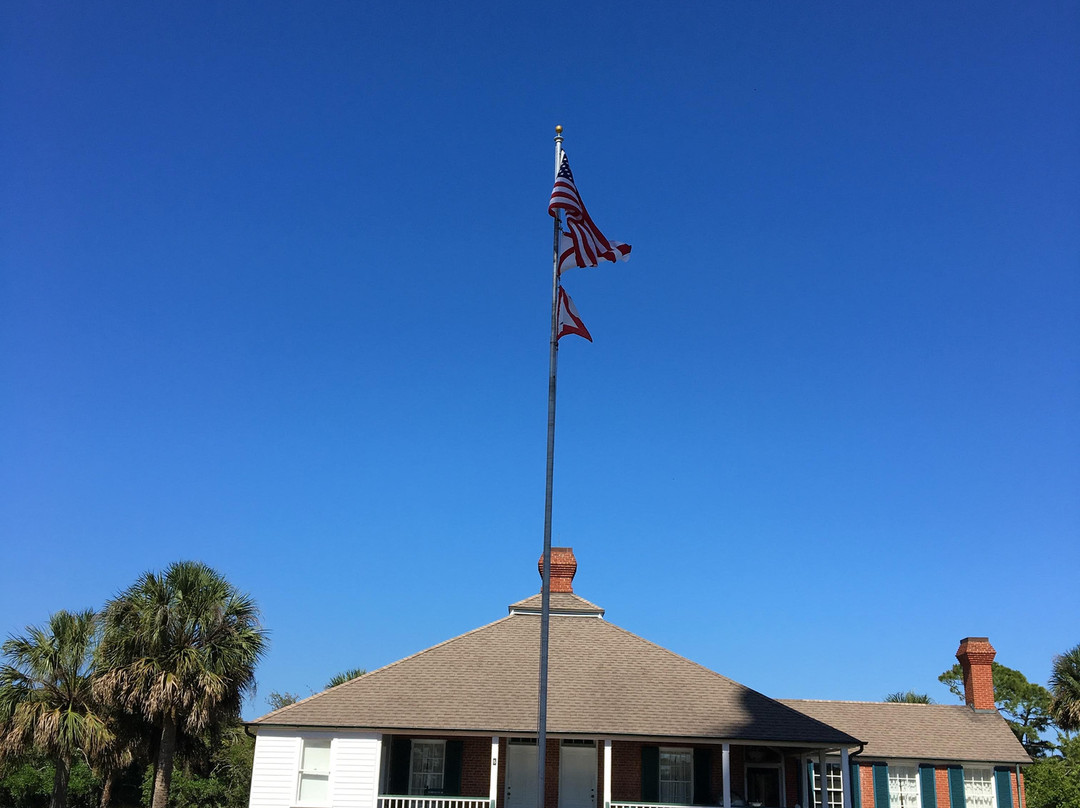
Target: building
{"points": [[630, 724]]}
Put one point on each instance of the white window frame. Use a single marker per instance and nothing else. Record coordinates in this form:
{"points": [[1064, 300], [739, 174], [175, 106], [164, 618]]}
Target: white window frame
{"points": [[419, 742], [676, 750], [970, 773], [313, 774], [833, 783], [911, 772]]}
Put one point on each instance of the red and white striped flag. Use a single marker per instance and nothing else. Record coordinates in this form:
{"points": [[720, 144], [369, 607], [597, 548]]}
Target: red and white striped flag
{"points": [[581, 244], [569, 319]]}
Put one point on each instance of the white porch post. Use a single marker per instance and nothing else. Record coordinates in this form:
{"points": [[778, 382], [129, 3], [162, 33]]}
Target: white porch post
{"points": [[845, 776], [607, 773], [493, 790], [823, 772], [726, 755], [378, 771]]}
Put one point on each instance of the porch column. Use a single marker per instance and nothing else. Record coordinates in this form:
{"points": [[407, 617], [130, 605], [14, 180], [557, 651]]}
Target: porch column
{"points": [[845, 776], [726, 756], [823, 771], [607, 773], [493, 790]]}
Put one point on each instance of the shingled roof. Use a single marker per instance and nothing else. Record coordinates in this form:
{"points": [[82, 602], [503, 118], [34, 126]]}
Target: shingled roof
{"points": [[926, 732], [602, 680]]}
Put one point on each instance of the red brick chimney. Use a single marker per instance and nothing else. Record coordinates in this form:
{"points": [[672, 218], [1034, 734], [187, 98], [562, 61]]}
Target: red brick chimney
{"points": [[976, 656], [563, 569]]}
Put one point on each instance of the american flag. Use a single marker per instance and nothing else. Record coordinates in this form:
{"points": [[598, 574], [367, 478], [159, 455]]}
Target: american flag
{"points": [[581, 244]]}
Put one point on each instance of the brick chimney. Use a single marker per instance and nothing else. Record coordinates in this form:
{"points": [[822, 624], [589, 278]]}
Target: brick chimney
{"points": [[976, 656], [563, 569]]}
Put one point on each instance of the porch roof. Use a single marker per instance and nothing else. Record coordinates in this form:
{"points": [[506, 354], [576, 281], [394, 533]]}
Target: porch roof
{"points": [[602, 680], [928, 732]]}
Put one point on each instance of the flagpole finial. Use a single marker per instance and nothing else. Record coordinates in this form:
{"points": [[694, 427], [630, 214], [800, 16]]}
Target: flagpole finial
{"points": [[558, 134]]}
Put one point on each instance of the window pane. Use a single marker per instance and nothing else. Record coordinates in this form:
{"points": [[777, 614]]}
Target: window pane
{"points": [[315, 789], [903, 787], [979, 787], [427, 765], [316, 757], [676, 776]]}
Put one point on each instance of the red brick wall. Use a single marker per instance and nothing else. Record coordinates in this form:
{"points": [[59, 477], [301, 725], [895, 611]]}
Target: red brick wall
{"points": [[476, 767], [625, 771], [792, 773], [866, 785], [941, 786]]}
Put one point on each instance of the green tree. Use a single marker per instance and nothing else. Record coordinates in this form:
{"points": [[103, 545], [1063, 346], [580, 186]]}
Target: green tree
{"points": [[1025, 705], [278, 700], [180, 648], [345, 676], [1065, 687], [1054, 782], [47, 702], [908, 697]]}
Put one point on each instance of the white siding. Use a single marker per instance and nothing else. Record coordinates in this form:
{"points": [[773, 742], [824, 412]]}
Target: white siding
{"points": [[355, 771], [273, 777], [354, 768]]}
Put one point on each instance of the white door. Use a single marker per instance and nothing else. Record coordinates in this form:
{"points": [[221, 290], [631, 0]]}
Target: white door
{"points": [[521, 772], [577, 776]]}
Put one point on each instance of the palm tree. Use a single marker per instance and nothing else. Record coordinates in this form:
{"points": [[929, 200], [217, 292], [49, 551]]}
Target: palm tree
{"points": [[345, 676], [47, 701], [910, 697], [1065, 685], [180, 648]]}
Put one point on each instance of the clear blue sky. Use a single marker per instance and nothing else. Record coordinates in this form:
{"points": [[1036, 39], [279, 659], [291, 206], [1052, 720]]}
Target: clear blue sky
{"points": [[275, 289]]}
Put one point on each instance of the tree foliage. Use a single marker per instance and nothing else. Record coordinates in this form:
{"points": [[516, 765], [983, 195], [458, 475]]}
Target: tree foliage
{"points": [[1054, 782], [47, 703], [180, 648], [1025, 705], [908, 697], [1065, 687], [278, 700], [345, 676]]}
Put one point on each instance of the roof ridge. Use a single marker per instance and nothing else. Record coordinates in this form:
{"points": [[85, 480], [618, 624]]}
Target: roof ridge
{"points": [[878, 703]]}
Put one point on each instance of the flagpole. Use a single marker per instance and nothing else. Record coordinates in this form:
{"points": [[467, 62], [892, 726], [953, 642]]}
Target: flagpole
{"points": [[545, 588]]}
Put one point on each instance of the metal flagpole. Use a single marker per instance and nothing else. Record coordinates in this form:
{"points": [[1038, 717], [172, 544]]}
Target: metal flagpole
{"points": [[545, 588]]}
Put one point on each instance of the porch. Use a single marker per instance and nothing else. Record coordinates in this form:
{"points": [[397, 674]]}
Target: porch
{"points": [[501, 772]]}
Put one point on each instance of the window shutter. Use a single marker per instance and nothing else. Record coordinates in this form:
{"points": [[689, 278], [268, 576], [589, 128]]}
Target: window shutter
{"points": [[702, 791], [1004, 787], [650, 773], [452, 770], [400, 751], [927, 786], [856, 791], [956, 787], [881, 785]]}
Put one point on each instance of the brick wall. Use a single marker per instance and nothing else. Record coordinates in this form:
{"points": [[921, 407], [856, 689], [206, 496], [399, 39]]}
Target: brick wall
{"points": [[866, 785], [476, 767]]}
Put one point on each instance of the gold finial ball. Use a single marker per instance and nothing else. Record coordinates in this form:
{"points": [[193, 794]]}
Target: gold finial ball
{"points": [[558, 130]]}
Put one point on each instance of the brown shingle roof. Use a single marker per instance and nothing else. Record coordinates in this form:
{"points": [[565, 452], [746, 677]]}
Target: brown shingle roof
{"points": [[929, 732], [561, 602], [603, 680]]}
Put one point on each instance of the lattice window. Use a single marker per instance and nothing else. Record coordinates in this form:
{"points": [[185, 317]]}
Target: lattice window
{"points": [[832, 782], [979, 787]]}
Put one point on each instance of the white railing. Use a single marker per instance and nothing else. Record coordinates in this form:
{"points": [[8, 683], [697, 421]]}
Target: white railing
{"points": [[641, 804], [401, 801]]}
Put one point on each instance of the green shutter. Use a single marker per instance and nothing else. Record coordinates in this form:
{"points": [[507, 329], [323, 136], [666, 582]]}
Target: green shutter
{"points": [[400, 750], [856, 791], [702, 790], [1003, 781], [881, 785], [452, 768], [927, 786], [956, 787], [650, 774]]}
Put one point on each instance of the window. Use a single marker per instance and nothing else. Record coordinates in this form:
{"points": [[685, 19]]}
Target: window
{"points": [[979, 787], [677, 776], [903, 786], [314, 781], [762, 776], [426, 767], [832, 783]]}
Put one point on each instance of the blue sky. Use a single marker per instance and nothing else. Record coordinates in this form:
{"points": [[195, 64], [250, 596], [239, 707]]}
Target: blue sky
{"points": [[275, 290]]}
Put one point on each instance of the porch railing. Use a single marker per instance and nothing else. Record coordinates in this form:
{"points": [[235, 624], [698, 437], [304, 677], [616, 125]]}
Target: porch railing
{"points": [[402, 801]]}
